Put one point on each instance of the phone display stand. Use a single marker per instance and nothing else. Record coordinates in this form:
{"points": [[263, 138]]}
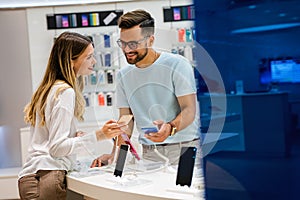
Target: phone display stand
{"points": [[144, 166], [198, 178], [85, 171], [185, 190], [127, 181]]}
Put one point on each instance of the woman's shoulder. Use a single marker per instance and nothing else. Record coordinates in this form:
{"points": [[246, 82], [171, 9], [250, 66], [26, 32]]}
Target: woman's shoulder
{"points": [[62, 88]]}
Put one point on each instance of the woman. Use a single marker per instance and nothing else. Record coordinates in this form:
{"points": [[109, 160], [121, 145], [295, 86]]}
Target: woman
{"points": [[52, 113]]}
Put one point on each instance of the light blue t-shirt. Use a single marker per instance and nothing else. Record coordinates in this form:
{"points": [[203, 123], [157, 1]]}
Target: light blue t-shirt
{"points": [[151, 94]]}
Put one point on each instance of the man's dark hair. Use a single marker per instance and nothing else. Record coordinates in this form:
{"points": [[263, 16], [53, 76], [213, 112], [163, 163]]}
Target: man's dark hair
{"points": [[137, 17]]}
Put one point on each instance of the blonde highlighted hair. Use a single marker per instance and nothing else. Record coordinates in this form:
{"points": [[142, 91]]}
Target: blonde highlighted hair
{"points": [[67, 47]]}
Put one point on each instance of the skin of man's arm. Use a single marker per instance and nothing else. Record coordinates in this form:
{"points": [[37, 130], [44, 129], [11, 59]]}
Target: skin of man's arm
{"points": [[183, 119]]}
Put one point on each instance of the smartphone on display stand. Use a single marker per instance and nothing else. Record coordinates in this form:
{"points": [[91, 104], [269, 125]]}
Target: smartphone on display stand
{"points": [[131, 147], [124, 120], [186, 166], [121, 160]]}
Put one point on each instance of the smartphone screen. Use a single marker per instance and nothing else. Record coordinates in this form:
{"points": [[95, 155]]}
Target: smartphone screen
{"points": [[176, 14], [84, 20], [65, 21], [132, 149], [186, 166], [121, 160], [148, 130]]}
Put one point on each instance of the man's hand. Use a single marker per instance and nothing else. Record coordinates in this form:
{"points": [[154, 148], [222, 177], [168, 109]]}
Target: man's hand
{"points": [[162, 134]]}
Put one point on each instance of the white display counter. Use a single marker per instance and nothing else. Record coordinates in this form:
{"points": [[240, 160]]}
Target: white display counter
{"points": [[158, 185], [153, 184], [142, 186]]}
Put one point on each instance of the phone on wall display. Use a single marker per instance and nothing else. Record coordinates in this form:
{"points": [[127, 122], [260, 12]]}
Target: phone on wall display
{"points": [[84, 20], [186, 166], [176, 14], [65, 21], [121, 160]]}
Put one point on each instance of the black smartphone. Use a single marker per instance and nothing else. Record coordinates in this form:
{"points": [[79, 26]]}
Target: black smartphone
{"points": [[186, 166], [121, 160]]}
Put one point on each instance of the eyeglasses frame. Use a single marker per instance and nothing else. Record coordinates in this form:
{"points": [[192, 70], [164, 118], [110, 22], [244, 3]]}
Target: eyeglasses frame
{"points": [[121, 42]]}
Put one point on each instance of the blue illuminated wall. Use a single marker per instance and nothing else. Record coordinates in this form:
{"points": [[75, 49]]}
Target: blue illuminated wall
{"points": [[238, 55]]}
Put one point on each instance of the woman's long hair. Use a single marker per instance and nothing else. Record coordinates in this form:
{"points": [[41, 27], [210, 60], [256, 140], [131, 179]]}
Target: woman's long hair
{"points": [[67, 47]]}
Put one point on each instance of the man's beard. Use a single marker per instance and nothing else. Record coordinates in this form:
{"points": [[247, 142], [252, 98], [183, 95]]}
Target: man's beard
{"points": [[138, 58]]}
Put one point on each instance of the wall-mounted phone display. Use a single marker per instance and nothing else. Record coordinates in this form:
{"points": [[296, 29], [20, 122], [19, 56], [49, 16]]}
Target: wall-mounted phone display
{"points": [[179, 13], [82, 20]]}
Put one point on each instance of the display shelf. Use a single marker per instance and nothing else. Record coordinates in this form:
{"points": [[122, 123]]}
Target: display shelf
{"points": [[83, 19], [178, 13], [99, 88]]}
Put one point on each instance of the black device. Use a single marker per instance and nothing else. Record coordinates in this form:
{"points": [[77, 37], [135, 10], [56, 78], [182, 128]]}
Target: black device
{"points": [[121, 160], [186, 166]]}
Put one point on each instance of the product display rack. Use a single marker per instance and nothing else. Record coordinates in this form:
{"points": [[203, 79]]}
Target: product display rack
{"points": [[100, 86], [185, 44], [179, 13], [83, 19]]}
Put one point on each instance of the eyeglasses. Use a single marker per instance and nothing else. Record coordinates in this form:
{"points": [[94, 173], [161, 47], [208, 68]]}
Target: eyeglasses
{"points": [[131, 44]]}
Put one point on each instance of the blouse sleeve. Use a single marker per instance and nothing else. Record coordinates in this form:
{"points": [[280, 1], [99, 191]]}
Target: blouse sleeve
{"points": [[59, 126]]}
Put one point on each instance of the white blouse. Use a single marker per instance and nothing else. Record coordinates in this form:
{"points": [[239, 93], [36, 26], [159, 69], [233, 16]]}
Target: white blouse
{"points": [[54, 146]]}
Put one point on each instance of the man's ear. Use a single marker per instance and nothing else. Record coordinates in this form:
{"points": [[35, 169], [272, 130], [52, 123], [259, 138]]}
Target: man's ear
{"points": [[151, 40]]}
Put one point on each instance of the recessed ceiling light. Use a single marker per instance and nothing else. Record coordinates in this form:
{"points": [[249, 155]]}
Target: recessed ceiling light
{"points": [[282, 14], [252, 6]]}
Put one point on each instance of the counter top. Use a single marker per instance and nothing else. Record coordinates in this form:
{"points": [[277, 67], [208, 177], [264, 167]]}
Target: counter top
{"points": [[147, 185], [143, 186]]}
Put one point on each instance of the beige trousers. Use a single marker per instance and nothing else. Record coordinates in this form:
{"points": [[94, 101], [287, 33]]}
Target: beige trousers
{"points": [[44, 185]]}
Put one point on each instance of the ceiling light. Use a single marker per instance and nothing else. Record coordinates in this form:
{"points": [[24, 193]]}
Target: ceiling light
{"points": [[252, 6], [282, 15]]}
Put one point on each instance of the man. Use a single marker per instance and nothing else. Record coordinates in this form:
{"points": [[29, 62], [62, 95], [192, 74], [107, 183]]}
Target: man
{"points": [[158, 88]]}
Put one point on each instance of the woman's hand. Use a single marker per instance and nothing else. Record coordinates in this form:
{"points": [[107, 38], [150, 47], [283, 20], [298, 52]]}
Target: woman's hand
{"points": [[110, 129]]}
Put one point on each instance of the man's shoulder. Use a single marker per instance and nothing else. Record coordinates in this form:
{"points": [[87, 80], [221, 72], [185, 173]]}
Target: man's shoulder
{"points": [[173, 57], [126, 68], [174, 60]]}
